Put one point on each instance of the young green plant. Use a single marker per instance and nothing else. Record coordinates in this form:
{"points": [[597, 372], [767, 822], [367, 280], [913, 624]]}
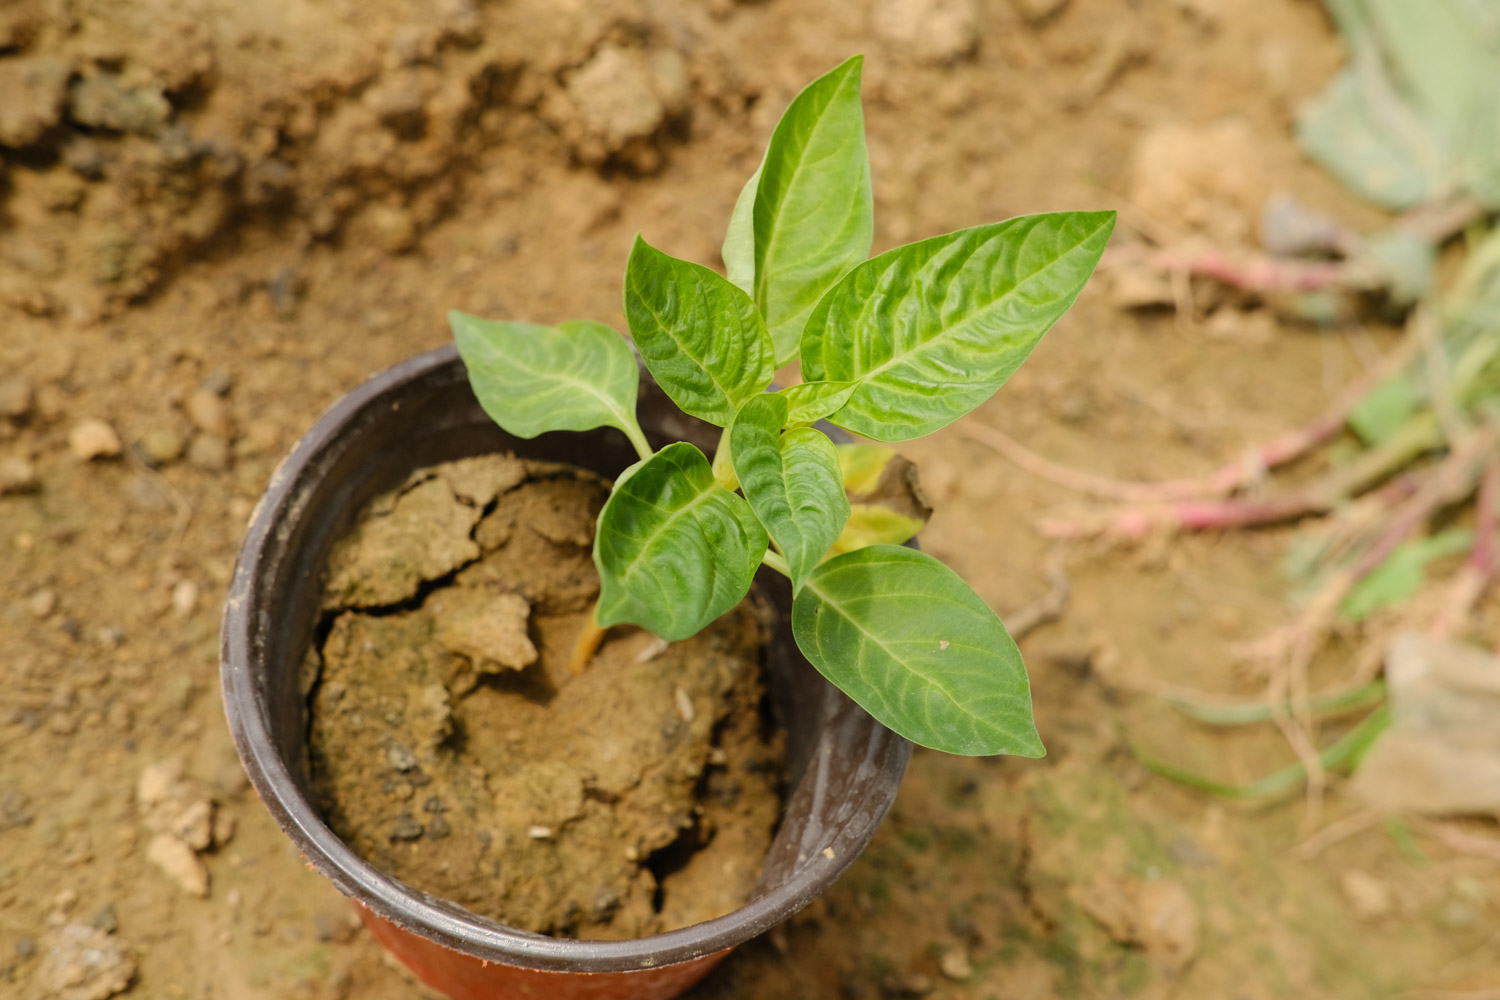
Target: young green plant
{"points": [[893, 348]]}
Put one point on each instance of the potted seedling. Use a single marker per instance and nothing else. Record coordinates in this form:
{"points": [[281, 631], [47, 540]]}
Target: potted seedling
{"points": [[743, 485]]}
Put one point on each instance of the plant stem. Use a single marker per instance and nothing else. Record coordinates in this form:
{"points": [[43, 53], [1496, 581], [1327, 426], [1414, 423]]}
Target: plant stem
{"points": [[724, 464], [778, 562], [1345, 752], [1235, 475], [638, 439], [590, 635], [1420, 434]]}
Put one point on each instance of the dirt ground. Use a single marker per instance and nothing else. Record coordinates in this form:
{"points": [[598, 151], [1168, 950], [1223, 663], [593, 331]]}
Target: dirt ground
{"points": [[217, 217]]}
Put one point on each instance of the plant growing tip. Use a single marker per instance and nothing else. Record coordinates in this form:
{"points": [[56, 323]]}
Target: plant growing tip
{"points": [[892, 347]]}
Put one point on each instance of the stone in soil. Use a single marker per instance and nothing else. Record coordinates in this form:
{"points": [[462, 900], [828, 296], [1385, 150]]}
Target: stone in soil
{"points": [[17, 475], [16, 397], [91, 439]]}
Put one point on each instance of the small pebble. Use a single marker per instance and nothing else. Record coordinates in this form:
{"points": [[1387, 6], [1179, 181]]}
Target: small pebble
{"points": [[161, 446], [539, 832], [184, 598], [219, 381], [406, 828], [106, 920], [16, 475], [16, 397], [955, 965], [438, 827], [209, 453], [42, 603], [400, 758], [92, 439], [208, 413]]}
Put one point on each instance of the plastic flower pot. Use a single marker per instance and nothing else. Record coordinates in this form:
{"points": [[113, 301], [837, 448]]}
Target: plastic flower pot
{"points": [[843, 768]]}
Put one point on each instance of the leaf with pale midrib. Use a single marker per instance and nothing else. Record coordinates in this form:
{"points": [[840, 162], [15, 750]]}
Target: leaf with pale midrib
{"points": [[791, 480], [700, 336], [813, 213], [532, 379], [907, 639], [930, 330], [675, 550]]}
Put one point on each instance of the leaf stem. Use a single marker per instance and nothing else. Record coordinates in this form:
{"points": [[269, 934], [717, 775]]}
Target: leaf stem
{"points": [[724, 464], [637, 438], [778, 562]]}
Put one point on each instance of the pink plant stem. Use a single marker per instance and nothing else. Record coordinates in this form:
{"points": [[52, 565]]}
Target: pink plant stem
{"points": [[1280, 450], [1270, 274], [1452, 482], [1420, 435], [1260, 273], [1469, 584]]}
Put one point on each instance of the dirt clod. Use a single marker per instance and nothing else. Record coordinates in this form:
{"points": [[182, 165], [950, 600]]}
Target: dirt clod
{"points": [[178, 863], [34, 88], [936, 31], [83, 963], [422, 535]]}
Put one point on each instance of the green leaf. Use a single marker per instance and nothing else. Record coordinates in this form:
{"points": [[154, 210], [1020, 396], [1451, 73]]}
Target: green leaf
{"points": [[791, 480], [809, 402], [1401, 575], [532, 379], [700, 336], [675, 550], [1371, 139], [1440, 56], [1407, 260], [739, 240], [903, 636], [1384, 410], [813, 213], [930, 330], [872, 524]]}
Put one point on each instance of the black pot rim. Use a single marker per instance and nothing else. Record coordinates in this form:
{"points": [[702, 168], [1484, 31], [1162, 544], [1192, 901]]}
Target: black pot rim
{"points": [[407, 907]]}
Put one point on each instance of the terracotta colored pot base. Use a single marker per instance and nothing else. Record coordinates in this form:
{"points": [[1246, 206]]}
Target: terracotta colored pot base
{"points": [[464, 977]]}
